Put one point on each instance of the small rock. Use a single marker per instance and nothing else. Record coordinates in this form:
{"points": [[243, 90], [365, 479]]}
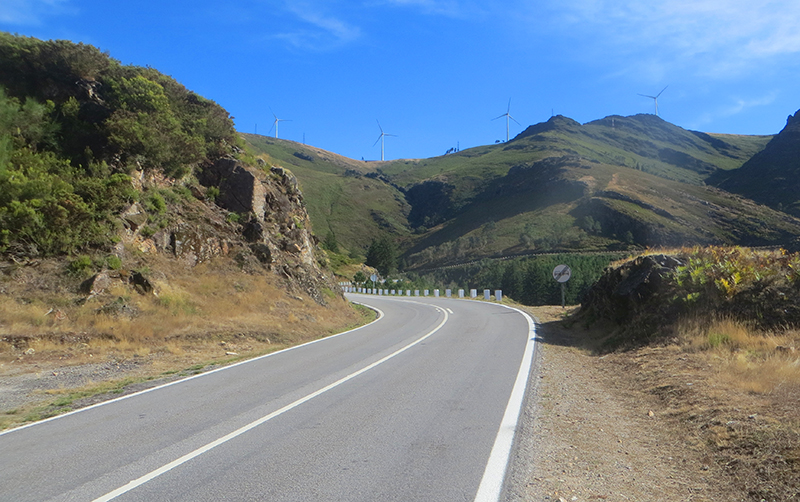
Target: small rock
{"points": [[30, 352], [650, 413], [231, 354]]}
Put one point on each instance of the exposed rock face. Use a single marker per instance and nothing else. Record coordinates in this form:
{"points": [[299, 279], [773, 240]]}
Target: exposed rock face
{"points": [[241, 190], [275, 221], [270, 228]]}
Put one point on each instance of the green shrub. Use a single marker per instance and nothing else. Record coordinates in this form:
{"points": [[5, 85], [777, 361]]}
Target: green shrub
{"points": [[113, 262], [155, 203], [212, 193], [80, 266]]}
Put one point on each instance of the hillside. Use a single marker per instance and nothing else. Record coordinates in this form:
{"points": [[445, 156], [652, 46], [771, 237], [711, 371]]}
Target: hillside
{"points": [[772, 176], [569, 203], [133, 224], [97, 157], [608, 184], [344, 196]]}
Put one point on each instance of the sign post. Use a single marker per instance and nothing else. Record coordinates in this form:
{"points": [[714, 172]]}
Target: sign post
{"points": [[562, 273]]}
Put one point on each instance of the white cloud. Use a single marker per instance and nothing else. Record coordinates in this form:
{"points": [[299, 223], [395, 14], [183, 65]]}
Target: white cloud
{"points": [[318, 30], [713, 38], [28, 12], [733, 107]]}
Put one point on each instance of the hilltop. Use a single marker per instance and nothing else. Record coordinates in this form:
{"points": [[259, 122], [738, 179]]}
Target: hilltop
{"points": [[611, 184], [771, 176]]}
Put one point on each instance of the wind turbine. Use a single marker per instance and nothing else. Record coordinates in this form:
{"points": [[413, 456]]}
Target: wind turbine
{"points": [[275, 123], [380, 138], [655, 98], [508, 116]]}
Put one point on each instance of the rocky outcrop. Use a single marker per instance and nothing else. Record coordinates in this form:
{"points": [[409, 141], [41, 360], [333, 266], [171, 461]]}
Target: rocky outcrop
{"points": [[275, 223], [622, 293], [254, 215], [636, 297]]}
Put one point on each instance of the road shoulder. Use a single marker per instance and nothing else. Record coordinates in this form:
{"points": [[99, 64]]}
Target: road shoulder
{"points": [[588, 433]]}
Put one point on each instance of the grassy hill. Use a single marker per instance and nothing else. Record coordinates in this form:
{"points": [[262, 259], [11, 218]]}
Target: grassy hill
{"points": [[569, 203], [343, 196], [615, 183], [771, 176]]}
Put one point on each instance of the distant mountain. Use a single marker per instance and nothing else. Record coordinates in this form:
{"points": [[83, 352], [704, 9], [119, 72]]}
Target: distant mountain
{"points": [[614, 183], [772, 176]]}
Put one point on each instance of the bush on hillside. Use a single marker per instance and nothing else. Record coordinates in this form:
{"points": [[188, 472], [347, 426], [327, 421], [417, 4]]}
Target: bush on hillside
{"points": [[74, 123], [646, 296]]}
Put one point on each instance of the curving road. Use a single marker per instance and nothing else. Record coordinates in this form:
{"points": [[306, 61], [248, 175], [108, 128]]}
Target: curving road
{"points": [[407, 408]]}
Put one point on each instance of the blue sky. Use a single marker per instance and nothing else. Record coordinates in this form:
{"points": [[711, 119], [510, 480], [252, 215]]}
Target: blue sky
{"points": [[436, 72]]}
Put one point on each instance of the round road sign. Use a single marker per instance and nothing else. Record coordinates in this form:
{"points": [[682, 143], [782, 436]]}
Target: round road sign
{"points": [[373, 278], [562, 273]]}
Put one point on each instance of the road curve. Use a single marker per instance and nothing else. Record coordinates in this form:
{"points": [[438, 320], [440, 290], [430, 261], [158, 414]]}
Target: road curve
{"points": [[407, 408]]}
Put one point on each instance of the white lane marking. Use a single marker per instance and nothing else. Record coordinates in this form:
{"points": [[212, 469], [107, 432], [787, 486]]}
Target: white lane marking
{"points": [[199, 375], [238, 432], [449, 310], [492, 482]]}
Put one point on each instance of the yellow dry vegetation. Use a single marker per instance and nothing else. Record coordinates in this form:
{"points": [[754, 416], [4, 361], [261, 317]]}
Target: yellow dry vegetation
{"points": [[743, 357], [199, 315]]}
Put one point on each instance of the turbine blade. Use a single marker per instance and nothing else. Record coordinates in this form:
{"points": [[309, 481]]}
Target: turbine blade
{"points": [[501, 116], [512, 118], [647, 96], [509, 106], [379, 126], [379, 138], [662, 90]]}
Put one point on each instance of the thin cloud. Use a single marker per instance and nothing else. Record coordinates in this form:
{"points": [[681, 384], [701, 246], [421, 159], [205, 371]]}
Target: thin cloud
{"points": [[449, 8], [318, 29], [734, 107], [29, 12], [712, 38]]}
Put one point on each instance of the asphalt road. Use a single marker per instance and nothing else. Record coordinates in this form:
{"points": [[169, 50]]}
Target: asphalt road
{"points": [[407, 408]]}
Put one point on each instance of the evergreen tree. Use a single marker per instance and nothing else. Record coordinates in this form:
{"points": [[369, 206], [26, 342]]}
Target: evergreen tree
{"points": [[382, 254]]}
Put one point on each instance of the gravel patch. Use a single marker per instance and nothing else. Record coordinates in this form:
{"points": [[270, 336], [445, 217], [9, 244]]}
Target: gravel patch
{"points": [[587, 434]]}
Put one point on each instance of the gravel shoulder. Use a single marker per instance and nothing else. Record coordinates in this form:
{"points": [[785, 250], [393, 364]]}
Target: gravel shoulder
{"points": [[591, 432]]}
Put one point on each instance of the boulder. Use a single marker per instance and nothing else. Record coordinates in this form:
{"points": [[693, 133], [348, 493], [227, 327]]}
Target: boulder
{"points": [[95, 285]]}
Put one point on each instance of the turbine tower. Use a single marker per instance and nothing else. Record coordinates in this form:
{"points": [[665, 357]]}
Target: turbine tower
{"points": [[655, 98], [380, 138], [508, 116], [275, 123]]}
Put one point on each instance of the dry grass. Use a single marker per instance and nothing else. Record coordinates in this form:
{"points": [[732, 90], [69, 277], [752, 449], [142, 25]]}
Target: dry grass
{"points": [[202, 314], [743, 357]]}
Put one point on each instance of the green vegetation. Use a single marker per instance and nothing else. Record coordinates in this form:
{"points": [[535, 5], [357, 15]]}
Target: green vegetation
{"points": [[527, 280], [620, 183], [648, 296], [74, 124], [382, 254]]}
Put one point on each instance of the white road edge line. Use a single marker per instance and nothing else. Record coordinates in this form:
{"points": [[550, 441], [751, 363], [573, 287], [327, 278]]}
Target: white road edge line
{"points": [[199, 375], [491, 485], [238, 432]]}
